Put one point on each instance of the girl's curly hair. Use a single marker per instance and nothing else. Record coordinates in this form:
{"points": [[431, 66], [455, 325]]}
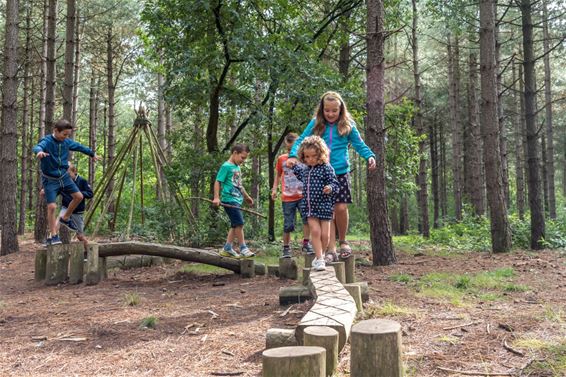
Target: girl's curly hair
{"points": [[316, 143]]}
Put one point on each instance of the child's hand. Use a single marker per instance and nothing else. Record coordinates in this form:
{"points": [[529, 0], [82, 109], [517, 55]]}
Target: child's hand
{"points": [[327, 189], [273, 194], [41, 193], [291, 161], [96, 158], [371, 164], [216, 202], [40, 155], [250, 200]]}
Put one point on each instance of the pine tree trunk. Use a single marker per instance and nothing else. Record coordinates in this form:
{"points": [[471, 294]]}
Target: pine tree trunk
{"points": [[544, 172], [92, 122], [422, 193], [404, 215], [111, 135], [443, 173], [69, 61], [161, 129], [25, 124], [9, 138], [77, 68], [549, 162], [534, 184], [519, 152], [455, 122], [434, 167], [500, 229], [381, 241], [473, 148]]}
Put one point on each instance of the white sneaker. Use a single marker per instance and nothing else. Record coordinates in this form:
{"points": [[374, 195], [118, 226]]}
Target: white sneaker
{"points": [[319, 264]]}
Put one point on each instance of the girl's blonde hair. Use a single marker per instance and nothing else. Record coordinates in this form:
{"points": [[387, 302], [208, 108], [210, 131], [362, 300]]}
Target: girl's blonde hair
{"points": [[316, 143], [344, 119]]}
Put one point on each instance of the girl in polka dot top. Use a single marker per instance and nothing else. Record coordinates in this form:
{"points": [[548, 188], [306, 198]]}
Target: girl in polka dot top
{"points": [[319, 187]]}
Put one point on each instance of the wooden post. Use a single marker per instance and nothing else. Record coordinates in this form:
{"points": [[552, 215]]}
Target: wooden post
{"points": [[356, 292], [294, 295], [57, 264], [40, 264], [364, 290], [306, 276], [340, 271], [326, 338], [272, 270], [260, 269], [308, 259], [376, 349], [102, 268], [92, 274], [76, 262], [275, 338], [300, 361], [350, 267], [288, 268], [247, 268]]}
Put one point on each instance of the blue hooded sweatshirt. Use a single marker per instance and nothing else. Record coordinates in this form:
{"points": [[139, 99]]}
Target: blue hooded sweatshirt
{"points": [[56, 164], [337, 144]]}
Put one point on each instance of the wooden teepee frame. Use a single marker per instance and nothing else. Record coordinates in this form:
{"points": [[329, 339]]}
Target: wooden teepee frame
{"points": [[133, 147]]}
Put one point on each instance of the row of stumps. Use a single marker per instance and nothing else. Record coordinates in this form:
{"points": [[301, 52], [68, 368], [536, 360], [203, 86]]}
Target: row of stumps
{"points": [[65, 263], [375, 351]]}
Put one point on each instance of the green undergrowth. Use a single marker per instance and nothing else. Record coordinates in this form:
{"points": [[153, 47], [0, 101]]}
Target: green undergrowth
{"points": [[459, 289], [148, 322], [551, 356]]}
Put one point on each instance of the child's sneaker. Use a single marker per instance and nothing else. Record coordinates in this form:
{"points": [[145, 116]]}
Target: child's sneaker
{"points": [[246, 252], [286, 252], [55, 240], [47, 241], [319, 264], [69, 224], [230, 253], [307, 248]]}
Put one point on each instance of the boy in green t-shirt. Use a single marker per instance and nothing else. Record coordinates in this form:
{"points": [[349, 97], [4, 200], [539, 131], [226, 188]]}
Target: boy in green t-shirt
{"points": [[229, 179]]}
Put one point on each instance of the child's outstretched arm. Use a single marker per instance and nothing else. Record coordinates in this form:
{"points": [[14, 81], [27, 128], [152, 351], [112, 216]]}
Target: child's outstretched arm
{"points": [[216, 200], [275, 185], [248, 198], [75, 146], [361, 147]]}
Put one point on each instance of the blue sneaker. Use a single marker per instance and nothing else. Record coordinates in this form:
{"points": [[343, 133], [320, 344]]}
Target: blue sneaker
{"points": [[55, 240], [47, 241], [69, 224], [307, 248]]}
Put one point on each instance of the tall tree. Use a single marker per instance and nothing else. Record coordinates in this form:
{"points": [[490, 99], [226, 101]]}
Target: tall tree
{"points": [[9, 140], [500, 229], [422, 193], [519, 152], [381, 241], [69, 61], [455, 122], [549, 162], [533, 158]]}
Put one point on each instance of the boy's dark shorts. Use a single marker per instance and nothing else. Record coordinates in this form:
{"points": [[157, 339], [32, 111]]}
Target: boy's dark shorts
{"points": [[235, 215], [289, 214], [54, 186], [344, 194]]}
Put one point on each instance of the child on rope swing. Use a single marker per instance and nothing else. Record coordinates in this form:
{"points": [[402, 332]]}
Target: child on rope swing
{"points": [[53, 151], [291, 196], [229, 192], [320, 187]]}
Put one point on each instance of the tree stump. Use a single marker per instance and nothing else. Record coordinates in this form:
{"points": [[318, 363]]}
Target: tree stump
{"points": [[306, 276], [294, 295], [247, 268], [326, 338], [376, 349], [273, 270], [260, 269], [280, 338], [308, 260], [350, 268], [57, 264], [288, 268], [300, 361], [40, 264], [364, 289], [340, 271], [356, 292], [76, 262], [92, 273]]}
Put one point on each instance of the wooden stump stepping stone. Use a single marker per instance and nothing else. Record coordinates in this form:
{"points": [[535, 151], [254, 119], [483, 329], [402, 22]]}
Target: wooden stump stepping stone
{"points": [[299, 361], [334, 306]]}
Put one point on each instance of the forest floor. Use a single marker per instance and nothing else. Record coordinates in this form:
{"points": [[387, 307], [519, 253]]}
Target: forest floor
{"points": [[467, 312]]}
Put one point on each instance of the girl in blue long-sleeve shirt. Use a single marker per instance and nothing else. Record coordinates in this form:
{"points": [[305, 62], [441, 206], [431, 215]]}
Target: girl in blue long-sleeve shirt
{"points": [[333, 123], [319, 187]]}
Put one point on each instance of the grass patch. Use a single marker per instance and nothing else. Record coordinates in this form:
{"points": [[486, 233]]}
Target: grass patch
{"points": [[551, 314], [448, 339], [148, 323], [388, 309], [401, 278], [132, 299], [203, 269], [511, 287], [553, 360]]}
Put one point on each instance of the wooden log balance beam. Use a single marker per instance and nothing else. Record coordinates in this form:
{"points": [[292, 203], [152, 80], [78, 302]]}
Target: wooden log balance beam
{"points": [[188, 254]]}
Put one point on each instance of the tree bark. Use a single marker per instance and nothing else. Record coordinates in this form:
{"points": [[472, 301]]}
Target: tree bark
{"points": [[533, 159], [422, 193], [69, 61], [111, 135], [455, 122], [9, 141], [549, 162], [434, 167], [500, 229], [92, 121], [381, 241], [519, 152], [77, 68]]}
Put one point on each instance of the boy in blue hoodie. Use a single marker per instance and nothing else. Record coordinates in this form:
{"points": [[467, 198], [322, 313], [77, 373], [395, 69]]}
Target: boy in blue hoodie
{"points": [[53, 151]]}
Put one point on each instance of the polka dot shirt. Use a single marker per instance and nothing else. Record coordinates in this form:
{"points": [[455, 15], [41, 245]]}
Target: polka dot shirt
{"points": [[315, 202]]}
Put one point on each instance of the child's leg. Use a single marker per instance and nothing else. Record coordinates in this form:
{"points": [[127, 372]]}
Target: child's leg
{"points": [[289, 214], [230, 237], [239, 234], [342, 219], [77, 198], [51, 219], [314, 225], [324, 233]]}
